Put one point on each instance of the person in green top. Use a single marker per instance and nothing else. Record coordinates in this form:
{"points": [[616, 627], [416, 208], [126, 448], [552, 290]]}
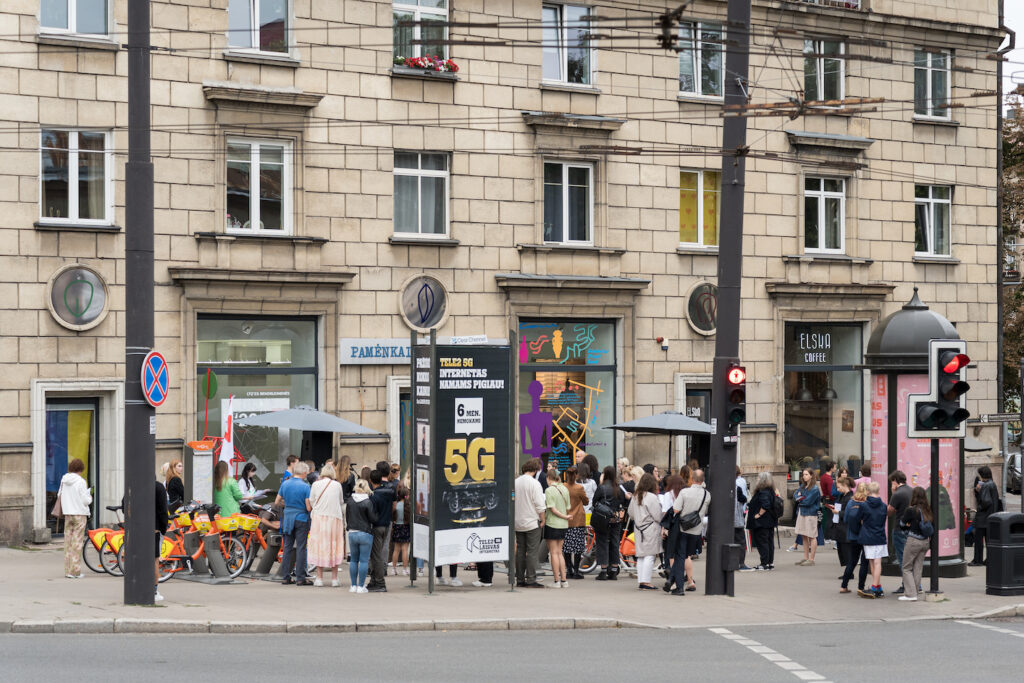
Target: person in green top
{"points": [[556, 522], [226, 493]]}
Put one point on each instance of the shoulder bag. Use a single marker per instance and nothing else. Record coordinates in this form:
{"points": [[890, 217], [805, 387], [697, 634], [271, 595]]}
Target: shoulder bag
{"points": [[57, 511], [694, 519]]}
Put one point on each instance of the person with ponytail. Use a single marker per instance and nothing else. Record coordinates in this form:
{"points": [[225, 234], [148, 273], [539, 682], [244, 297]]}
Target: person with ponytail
{"points": [[919, 524]]}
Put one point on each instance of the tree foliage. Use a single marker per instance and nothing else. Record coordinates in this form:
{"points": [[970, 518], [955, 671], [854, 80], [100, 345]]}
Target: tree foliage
{"points": [[1012, 231]]}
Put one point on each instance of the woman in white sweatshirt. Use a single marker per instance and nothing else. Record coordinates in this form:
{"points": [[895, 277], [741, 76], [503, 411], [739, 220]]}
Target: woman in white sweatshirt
{"points": [[75, 500]]}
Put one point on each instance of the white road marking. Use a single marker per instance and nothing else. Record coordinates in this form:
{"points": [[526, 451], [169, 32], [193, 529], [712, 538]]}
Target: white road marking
{"points": [[989, 627], [781, 661]]}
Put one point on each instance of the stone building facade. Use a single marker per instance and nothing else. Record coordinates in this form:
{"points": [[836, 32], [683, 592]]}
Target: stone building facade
{"points": [[564, 179]]}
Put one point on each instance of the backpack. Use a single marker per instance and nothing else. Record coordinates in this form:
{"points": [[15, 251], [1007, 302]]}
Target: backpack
{"points": [[927, 528], [778, 507]]}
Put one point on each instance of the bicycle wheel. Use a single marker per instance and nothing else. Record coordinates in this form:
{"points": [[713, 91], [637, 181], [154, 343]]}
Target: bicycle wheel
{"points": [[91, 556], [234, 556], [109, 559], [588, 561], [168, 568]]}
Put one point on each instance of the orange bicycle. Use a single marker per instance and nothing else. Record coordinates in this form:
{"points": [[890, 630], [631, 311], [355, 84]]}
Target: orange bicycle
{"points": [[99, 552]]}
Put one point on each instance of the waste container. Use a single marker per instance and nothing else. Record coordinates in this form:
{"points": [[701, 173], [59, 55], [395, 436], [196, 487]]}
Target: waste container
{"points": [[1004, 573]]}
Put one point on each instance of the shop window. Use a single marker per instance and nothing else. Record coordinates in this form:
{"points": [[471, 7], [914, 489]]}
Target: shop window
{"points": [[567, 50], [421, 194], [566, 390], [700, 203], [568, 202], [260, 25], [75, 177], [265, 364], [823, 70], [824, 214], [86, 17], [429, 23], [71, 433], [931, 219], [701, 63], [824, 413], [259, 185], [931, 84]]}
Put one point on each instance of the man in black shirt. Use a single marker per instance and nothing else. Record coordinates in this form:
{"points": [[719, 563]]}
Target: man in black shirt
{"points": [[899, 501]]}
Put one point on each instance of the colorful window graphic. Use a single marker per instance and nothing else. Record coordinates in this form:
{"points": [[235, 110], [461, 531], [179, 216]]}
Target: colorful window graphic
{"points": [[70, 434]]}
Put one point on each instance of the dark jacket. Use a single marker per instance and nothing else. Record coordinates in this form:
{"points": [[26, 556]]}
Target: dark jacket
{"points": [[841, 529], [853, 517], [360, 515], [761, 500], [987, 498], [161, 508], [808, 501], [175, 494], [382, 498], [612, 497], [347, 487], [872, 530], [911, 522]]}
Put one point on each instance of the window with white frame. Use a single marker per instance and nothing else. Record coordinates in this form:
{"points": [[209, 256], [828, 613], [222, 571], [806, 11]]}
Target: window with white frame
{"points": [[75, 177], [426, 21], [568, 202], [700, 203], [89, 17], [931, 219], [567, 51], [701, 65], [823, 70], [259, 186], [421, 193], [824, 214], [260, 25], [931, 84]]}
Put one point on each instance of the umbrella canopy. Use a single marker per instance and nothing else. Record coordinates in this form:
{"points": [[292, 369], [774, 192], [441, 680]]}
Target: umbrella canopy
{"points": [[973, 445], [306, 419], [669, 422]]}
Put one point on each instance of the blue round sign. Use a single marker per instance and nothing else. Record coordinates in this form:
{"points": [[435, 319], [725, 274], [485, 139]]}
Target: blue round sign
{"points": [[154, 379]]}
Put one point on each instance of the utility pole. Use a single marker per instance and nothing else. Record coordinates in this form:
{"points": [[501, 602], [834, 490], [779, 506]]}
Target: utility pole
{"points": [[139, 436], [718, 581]]}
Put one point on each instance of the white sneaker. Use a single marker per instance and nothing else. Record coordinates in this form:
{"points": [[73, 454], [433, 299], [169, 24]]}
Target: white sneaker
{"points": [[335, 583], [907, 598], [405, 572], [556, 584], [353, 589], [362, 589], [318, 583], [445, 581], [481, 584], [565, 584], [157, 597], [456, 582], [392, 571]]}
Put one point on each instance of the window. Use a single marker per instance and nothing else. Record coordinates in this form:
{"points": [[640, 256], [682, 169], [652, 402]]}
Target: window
{"points": [[421, 193], [700, 202], [931, 84], [824, 209], [431, 17], [259, 185], [74, 16], [566, 42], [931, 219], [258, 25], [700, 60], [823, 72], [75, 177], [568, 202]]}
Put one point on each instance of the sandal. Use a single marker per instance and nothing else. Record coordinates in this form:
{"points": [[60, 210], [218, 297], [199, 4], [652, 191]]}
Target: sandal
{"points": [[844, 590], [692, 587]]}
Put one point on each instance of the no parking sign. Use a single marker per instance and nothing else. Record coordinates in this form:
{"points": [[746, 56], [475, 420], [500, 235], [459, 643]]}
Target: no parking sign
{"points": [[154, 379]]}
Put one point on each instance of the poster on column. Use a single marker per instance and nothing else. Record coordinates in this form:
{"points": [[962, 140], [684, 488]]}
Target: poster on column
{"points": [[421, 451], [471, 454]]}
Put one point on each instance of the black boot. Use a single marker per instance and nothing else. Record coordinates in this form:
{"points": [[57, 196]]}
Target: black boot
{"points": [[574, 566], [613, 573], [603, 576]]}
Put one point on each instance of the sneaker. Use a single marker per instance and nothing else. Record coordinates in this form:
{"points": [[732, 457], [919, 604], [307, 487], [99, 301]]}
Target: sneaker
{"points": [[865, 594], [565, 584], [760, 568], [456, 582], [376, 589], [809, 563], [335, 583], [898, 591], [353, 589], [879, 593], [157, 597], [793, 548], [907, 598], [74, 576], [481, 584], [745, 568], [405, 572], [556, 584], [771, 567], [801, 563], [445, 581], [362, 589], [318, 583]]}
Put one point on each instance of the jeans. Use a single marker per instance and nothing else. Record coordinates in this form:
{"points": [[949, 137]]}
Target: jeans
{"points": [[979, 544], [607, 545], [852, 556], [765, 547], [379, 554], [527, 547], [739, 537], [360, 544], [295, 543], [899, 542], [913, 564]]}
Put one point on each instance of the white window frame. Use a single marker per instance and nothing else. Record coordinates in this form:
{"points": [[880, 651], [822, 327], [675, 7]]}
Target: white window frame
{"points": [[695, 51], [288, 189], [71, 29], [821, 195], [818, 48], [566, 165], [254, 31], [108, 176], [418, 173], [700, 209], [418, 11], [929, 70], [929, 229], [563, 48]]}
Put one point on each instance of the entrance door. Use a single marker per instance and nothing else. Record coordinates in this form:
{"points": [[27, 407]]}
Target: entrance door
{"points": [[698, 446], [405, 428], [71, 432]]}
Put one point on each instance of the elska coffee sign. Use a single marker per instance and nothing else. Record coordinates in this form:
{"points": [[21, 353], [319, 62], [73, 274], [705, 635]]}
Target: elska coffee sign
{"points": [[815, 347]]}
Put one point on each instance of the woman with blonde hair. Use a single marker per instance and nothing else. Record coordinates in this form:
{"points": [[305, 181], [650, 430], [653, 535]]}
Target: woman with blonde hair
{"points": [[226, 493], [347, 478], [361, 519], [173, 482], [326, 529]]}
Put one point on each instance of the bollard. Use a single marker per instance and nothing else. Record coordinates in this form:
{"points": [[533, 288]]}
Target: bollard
{"points": [[211, 545], [269, 556], [191, 542]]}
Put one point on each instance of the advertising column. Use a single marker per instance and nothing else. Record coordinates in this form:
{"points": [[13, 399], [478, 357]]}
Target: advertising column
{"points": [[421, 401]]}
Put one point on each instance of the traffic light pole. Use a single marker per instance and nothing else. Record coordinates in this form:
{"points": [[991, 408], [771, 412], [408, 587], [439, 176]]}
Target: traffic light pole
{"points": [[730, 261], [933, 566]]}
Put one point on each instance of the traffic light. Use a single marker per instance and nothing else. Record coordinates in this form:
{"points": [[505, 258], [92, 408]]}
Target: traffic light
{"points": [[736, 394], [942, 411]]}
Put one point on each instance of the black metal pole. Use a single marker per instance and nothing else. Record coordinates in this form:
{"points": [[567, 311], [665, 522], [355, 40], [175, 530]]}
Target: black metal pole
{"points": [[139, 438], [933, 567], [730, 259]]}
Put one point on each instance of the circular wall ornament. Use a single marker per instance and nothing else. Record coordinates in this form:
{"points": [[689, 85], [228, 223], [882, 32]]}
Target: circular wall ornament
{"points": [[423, 301], [702, 308], [77, 297]]}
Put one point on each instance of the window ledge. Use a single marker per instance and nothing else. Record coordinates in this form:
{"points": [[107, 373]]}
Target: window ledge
{"points": [[423, 241], [76, 227], [700, 99], [833, 258], [940, 260], [570, 247], [230, 236], [78, 40], [696, 249], [936, 122], [423, 74], [268, 58], [570, 88], [217, 91]]}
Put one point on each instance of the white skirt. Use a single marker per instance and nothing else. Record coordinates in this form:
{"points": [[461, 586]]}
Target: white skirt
{"points": [[876, 552]]}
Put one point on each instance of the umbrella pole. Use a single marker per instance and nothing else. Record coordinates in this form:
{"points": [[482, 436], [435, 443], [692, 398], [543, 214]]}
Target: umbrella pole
{"points": [[671, 439]]}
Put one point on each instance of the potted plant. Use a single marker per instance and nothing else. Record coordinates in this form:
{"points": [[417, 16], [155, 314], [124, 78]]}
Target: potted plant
{"points": [[427, 63]]}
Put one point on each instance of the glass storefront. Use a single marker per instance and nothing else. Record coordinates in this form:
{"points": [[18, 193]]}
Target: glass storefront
{"points": [[266, 364], [566, 390], [824, 395]]}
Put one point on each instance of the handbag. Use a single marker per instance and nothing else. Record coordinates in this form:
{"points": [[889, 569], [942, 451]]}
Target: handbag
{"points": [[693, 519], [600, 516], [668, 519], [57, 512]]}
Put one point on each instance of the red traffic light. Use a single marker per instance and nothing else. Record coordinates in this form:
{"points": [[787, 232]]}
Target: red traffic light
{"points": [[952, 362], [737, 375]]}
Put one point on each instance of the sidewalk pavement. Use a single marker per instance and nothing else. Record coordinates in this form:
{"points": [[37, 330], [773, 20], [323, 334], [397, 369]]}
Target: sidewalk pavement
{"points": [[35, 597]]}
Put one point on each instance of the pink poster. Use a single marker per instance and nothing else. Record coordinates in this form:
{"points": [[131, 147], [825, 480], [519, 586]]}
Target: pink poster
{"points": [[879, 430]]}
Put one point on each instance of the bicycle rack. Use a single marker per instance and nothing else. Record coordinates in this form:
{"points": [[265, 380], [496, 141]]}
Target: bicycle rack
{"points": [[269, 556], [211, 544], [191, 542]]}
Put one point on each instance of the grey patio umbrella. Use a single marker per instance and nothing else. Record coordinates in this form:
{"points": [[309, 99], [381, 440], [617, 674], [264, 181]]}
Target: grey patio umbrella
{"points": [[669, 422], [973, 445], [306, 419]]}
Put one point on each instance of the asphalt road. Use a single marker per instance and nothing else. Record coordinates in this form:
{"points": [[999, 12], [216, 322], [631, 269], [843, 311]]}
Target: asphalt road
{"points": [[852, 651]]}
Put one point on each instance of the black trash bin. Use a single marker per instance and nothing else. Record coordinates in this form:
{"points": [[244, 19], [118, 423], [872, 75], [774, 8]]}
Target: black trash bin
{"points": [[1004, 574]]}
